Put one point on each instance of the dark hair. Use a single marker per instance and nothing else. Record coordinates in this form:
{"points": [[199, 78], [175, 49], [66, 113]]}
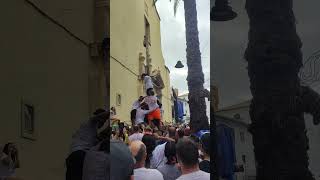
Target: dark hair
{"points": [[135, 129], [187, 131], [187, 152], [205, 142], [170, 151], [172, 132], [99, 111], [150, 142], [149, 92], [6, 148], [159, 103], [105, 134], [140, 153], [180, 133], [144, 106], [143, 75]]}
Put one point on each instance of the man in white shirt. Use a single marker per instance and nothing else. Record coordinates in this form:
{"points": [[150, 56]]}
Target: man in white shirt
{"points": [[187, 154], [152, 101], [138, 150], [148, 84], [141, 113], [136, 136], [135, 106], [158, 157]]}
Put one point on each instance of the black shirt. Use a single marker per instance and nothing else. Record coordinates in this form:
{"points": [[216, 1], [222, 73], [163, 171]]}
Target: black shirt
{"points": [[205, 166]]}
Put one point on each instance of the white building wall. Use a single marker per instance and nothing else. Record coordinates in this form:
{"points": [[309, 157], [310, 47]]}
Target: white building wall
{"points": [[313, 133], [246, 147]]}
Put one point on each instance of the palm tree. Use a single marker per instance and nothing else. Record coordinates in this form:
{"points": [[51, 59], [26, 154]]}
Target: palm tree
{"points": [[195, 78], [279, 101]]}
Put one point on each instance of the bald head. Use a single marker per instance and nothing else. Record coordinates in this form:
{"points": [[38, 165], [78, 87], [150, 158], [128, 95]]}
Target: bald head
{"points": [[172, 132], [187, 131], [138, 150]]}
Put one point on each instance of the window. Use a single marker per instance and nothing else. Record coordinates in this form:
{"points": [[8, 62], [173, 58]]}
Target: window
{"points": [[242, 139], [118, 99], [28, 120], [147, 30]]}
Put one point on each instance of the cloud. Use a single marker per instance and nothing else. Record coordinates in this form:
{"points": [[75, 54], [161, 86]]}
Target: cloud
{"points": [[174, 41], [180, 72]]}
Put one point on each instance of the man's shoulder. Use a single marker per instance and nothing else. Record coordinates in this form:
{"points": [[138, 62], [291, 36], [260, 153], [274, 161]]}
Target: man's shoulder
{"points": [[205, 173], [159, 148], [163, 168], [152, 172], [155, 172], [199, 174]]}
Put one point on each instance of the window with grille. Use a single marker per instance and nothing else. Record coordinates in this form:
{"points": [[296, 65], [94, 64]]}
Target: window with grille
{"points": [[147, 30], [28, 129], [118, 99]]}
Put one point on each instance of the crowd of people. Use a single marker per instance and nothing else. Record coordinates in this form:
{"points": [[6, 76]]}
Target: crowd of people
{"points": [[165, 153], [161, 152], [148, 150], [169, 153]]}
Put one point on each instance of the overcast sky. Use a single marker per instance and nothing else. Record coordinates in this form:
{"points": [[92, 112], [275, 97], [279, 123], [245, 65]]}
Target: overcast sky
{"points": [[228, 43], [174, 41]]}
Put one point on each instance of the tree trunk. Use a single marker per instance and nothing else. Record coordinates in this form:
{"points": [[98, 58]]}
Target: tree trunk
{"points": [[274, 59], [198, 117]]}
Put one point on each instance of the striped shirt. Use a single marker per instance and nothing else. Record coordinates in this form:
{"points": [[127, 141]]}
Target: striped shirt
{"points": [[86, 137], [96, 165]]}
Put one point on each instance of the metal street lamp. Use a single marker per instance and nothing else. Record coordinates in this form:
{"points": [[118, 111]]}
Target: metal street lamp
{"points": [[222, 11], [179, 65]]}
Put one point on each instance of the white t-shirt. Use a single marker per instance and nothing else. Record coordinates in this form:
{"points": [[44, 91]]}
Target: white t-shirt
{"points": [[147, 174], [85, 137], [136, 105], [140, 114], [158, 158], [198, 175], [136, 137], [148, 82], [152, 102]]}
